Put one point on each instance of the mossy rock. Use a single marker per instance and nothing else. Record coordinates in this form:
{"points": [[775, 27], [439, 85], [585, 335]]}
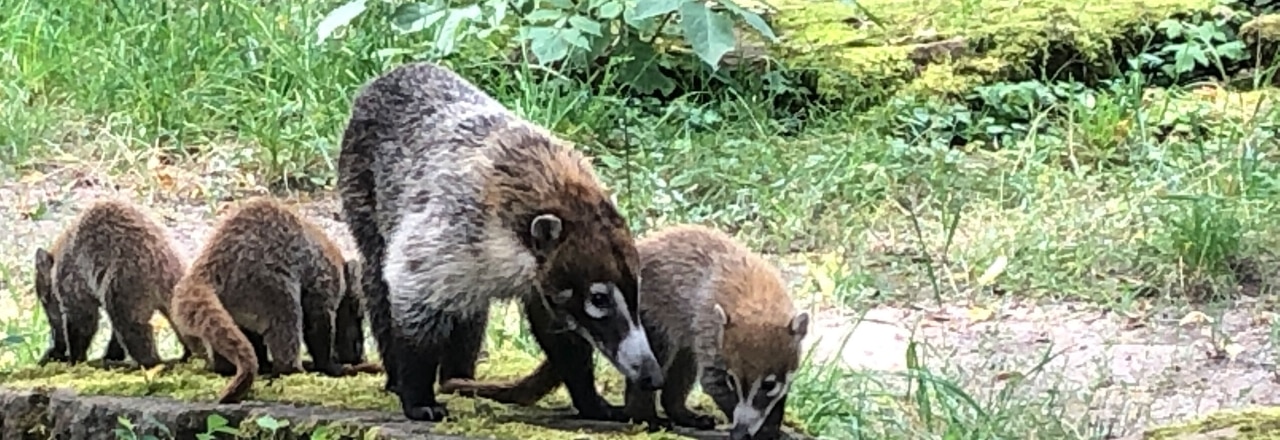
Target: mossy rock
{"points": [[1248, 424], [479, 418], [946, 47]]}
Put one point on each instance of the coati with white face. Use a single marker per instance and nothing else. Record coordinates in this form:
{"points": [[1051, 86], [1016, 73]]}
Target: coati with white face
{"points": [[113, 256], [712, 308], [455, 202], [266, 281]]}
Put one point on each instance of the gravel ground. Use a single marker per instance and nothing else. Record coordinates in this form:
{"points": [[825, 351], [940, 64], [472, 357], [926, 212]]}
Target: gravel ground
{"points": [[1125, 371]]}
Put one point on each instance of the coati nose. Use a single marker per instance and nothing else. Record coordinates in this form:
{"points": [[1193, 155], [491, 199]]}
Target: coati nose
{"points": [[739, 432], [652, 381], [651, 377]]}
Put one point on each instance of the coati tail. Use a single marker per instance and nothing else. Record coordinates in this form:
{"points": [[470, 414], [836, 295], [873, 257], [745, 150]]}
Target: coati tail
{"points": [[202, 313], [524, 392]]}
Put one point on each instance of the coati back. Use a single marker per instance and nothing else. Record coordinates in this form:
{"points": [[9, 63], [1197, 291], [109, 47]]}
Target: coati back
{"points": [[113, 256], [712, 307], [455, 202], [265, 274]]}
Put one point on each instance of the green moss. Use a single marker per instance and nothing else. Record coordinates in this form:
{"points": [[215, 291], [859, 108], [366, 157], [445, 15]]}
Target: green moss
{"points": [[856, 57], [190, 382], [1250, 424]]}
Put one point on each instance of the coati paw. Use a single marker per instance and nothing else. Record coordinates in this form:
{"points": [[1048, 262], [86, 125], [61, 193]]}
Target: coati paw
{"points": [[429, 413], [658, 424], [606, 412], [701, 422]]}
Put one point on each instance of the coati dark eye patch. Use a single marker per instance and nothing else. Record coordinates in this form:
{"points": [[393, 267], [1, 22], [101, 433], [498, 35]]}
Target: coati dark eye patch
{"points": [[600, 300]]}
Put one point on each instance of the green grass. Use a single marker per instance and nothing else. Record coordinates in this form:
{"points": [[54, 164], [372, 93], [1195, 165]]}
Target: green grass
{"points": [[1110, 194]]}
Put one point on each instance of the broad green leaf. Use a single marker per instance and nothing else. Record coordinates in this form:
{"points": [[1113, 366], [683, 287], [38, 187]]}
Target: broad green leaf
{"points": [[653, 8], [546, 45], [710, 33], [414, 17], [575, 38], [542, 15], [337, 18], [610, 10], [562, 4], [586, 25], [753, 19]]}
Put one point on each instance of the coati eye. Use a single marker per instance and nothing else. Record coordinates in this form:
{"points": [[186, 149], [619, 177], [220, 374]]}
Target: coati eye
{"points": [[601, 300]]}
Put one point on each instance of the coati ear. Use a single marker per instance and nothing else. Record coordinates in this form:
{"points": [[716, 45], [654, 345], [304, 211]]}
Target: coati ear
{"points": [[721, 316], [800, 325], [545, 230], [44, 260]]}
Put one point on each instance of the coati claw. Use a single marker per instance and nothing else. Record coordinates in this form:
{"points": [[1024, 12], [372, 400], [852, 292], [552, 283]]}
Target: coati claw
{"points": [[430, 413]]}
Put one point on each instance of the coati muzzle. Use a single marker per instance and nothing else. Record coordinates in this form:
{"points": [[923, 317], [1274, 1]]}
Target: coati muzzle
{"points": [[601, 315]]}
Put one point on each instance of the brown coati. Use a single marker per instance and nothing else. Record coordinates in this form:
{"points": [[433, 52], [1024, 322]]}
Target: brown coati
{"points": [[266, 280], [113, 256], [712, 308], [454, 202]]}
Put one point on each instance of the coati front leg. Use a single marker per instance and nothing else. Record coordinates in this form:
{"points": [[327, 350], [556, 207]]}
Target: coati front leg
{"points": [[130, 323], [571, 355], [378, 305], [318, 316], [418, 358], [466, 341], [348, 345], [681, 375]]}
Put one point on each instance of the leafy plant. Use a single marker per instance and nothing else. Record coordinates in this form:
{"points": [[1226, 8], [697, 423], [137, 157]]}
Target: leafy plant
{"points": [[216, 424], [575, 35]]}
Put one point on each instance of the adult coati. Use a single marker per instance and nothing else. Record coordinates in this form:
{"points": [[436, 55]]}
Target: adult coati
{"points": [[454, 202], [113, 256], [267, 279], [712, 307]]}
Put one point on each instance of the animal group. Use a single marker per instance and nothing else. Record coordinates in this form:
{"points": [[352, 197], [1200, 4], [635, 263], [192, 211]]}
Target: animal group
{"points": [[454, 202]]}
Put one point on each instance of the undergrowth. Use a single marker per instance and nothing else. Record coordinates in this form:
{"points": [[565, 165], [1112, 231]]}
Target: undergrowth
{"points": [[1112, 193]]}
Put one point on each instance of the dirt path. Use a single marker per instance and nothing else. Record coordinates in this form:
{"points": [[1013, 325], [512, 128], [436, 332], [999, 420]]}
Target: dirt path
{"points": [[1120, 371]]}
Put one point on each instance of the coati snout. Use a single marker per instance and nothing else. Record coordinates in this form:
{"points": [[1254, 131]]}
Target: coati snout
{"points": [[599, 313]]}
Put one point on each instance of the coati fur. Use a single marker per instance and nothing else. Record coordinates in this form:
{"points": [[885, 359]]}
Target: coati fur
{"points": [[115, 257], [455, 202], [710, 304], [266, 280]]}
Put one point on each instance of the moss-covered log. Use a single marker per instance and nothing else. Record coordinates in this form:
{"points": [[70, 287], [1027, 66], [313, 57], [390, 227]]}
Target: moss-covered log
{"points": [[949, 46], [181, 397]]}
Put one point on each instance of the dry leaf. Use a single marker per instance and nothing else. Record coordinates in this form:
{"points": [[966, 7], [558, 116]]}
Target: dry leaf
{"points": [[151, 373], [1232, 351], [1195, 317], [32, 177], [994, 270], [1006, 375], [978, 314]]}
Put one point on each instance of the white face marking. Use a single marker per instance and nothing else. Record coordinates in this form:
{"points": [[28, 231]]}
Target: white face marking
{"points": [[746, 414], [634, 349]]}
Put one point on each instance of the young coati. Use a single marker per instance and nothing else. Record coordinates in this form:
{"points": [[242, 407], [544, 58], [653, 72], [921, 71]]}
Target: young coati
{"points": [[710, 304], [265, 274], [113, 256], [454, 202]]}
